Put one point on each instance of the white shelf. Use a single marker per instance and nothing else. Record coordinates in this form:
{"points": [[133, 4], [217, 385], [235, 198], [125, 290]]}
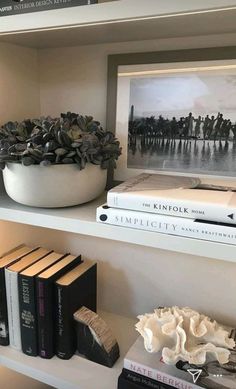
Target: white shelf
{"points": [[77, 372], [123, 20], [82, 220]]}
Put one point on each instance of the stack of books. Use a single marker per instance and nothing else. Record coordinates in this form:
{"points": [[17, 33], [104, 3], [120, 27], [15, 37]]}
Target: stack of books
{"points": [[174, 205], [143, 370], [40, 290]]}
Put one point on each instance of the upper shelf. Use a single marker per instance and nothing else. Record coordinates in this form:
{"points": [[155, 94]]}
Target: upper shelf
{"points": [[123, 20], [82, 220]]}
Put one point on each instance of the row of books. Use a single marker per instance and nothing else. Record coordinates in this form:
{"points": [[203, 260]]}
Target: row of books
{"points": [[181, 206], [143, 370], [40, 290]]}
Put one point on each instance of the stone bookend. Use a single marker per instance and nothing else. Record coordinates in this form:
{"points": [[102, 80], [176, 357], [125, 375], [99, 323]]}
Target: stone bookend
{"points": [[94, 338]]}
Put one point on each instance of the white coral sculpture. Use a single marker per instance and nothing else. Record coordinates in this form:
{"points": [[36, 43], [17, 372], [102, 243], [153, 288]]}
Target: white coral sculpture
{"points": [[184, 334]]}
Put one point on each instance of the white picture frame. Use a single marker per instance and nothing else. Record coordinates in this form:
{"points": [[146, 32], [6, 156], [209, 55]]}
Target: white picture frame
{"points": [[126, 73]]}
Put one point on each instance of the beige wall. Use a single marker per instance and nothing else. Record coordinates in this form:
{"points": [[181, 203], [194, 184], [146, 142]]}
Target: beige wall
{"points": [[19, 83], [75, 78]]}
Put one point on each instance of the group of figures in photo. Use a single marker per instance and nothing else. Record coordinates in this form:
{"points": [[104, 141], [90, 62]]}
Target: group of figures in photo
{"points": [[191, 142], [209, 127]]}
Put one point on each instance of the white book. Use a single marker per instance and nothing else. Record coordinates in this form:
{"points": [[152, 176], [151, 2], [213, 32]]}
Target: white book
{"points": [[11, 279], [176, 196], [211, 375], [217, 232]]}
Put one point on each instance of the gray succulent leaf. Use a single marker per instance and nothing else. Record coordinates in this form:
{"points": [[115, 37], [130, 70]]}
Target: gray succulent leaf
{"points": [[73, 138]]}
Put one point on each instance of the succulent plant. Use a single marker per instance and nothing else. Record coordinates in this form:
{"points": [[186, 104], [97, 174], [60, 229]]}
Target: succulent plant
{"points": [[72, 138]]}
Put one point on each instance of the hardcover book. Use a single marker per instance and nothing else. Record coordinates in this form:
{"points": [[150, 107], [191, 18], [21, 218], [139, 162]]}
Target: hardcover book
{"points": [[176, 196], [11, 279], [6, 260], [211, 375], [27, 302], [179, 226], [75, 289], [12, 7], [131, 380], [45, 303], [123, 383]]}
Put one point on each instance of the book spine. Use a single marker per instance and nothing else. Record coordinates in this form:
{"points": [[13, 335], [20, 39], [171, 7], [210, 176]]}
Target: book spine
{"points": [[11, 279], [158, 375], [124, 383], [10, 8], [28, 322], [69, 298], [45, 318], [4, 331], [179, 208], [142, 381], [167, 225], [64, 349], [46, 310]]}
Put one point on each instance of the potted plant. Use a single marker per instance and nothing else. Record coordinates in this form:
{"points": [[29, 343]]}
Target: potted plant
{"points": [[56, 162]]}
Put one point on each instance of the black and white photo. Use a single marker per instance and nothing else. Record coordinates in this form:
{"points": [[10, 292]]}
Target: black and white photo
{"points": [[178, 117]]}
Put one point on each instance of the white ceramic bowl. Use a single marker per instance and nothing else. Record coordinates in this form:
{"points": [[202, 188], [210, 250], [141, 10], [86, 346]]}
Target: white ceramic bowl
{"points": [[53, 186]]}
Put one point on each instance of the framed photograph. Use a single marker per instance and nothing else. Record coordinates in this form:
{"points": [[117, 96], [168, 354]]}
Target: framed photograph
{"points": [[176, 116]]}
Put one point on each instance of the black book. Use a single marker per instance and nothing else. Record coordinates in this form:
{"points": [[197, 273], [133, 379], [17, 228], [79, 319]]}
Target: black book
{"points": [[45, 303], [27, 302], [124, 383], [7, 259], [12, 7], [75, 289], [140, 381]]}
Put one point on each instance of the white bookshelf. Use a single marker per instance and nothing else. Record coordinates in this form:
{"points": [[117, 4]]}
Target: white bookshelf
{"points": [[37, 81], [77, 372], [119, 21]]}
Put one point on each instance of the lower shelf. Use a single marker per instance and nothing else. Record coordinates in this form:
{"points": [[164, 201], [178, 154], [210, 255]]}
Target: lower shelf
{"points": [[76, 373]]}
